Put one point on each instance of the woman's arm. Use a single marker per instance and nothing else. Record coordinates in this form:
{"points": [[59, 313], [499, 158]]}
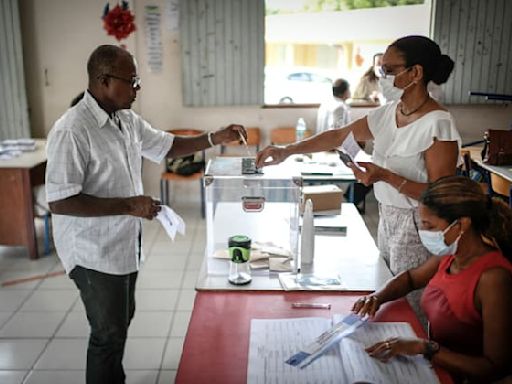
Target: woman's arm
{"points": [[440, 160], [324, 141], [398, 287]]}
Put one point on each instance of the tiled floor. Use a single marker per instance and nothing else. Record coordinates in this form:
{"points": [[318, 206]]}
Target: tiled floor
{"points": [[43, 329]]}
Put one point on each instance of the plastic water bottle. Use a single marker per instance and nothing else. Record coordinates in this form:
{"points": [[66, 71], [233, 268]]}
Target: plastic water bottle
{"points": [[300, 129]]}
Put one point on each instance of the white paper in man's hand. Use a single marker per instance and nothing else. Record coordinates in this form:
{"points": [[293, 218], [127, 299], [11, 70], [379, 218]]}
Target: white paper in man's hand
{"points": [[171, 221]]}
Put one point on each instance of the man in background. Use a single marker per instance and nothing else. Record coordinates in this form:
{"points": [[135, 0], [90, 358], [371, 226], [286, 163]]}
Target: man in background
{"points": [[334, 113]]}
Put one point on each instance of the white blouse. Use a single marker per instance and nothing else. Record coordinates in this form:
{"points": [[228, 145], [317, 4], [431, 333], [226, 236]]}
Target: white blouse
{"points": [[402, 150]]}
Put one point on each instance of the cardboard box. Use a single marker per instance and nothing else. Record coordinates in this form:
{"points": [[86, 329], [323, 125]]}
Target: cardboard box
{"points": [[324, 197]]}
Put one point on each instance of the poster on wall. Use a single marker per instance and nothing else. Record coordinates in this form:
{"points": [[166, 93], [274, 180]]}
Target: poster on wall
{"points": [[153, 37], [172, 15]]}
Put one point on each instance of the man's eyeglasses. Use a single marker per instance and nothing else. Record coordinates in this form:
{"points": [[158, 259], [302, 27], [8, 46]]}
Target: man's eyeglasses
{"points": [[135, 81]]}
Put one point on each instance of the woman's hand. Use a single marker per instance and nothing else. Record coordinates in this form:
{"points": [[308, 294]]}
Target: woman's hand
{"points": [[367, 305], [385, 350], [277, 155], [232, 132], [370, 174]]}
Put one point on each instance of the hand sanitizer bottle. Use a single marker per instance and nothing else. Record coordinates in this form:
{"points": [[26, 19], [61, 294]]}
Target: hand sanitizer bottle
{"points": [[239, 252]]}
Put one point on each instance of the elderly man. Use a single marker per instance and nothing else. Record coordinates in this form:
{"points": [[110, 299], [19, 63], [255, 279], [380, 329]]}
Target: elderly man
{"points": [[94, 189]]}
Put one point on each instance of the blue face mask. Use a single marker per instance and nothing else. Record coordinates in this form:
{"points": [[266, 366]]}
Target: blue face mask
{"points": [[435, 243]]}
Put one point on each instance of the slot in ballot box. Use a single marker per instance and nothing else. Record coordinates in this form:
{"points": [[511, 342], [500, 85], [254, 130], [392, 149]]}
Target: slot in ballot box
{"points": [[263, 206]]}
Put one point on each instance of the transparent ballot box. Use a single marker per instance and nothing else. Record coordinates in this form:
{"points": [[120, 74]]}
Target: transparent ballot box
{"points": [[263, 206]]}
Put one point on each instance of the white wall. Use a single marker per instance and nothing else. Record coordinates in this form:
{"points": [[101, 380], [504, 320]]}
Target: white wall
{"points": [[58, 36]]}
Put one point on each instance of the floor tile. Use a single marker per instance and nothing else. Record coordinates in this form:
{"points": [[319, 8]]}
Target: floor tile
{"points": [[58, 282], [141, 377], [4, 316], [172, 354], [56, 377], [180, 324], [167, 377], [159, 279], [50, 300], [190, 279], [12, 377], [75, 325], [64, 354], [143, 353], [155, 299], [19, 354], [12, 299], [16, 279], [168, 246], [150, 324], [186, 300], [32, 324], [164, 262]]}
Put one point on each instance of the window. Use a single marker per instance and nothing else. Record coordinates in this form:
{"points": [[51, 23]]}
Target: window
{"points": [[310, 43]]}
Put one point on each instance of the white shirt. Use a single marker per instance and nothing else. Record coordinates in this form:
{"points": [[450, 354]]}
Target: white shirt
{"points": [[402, 150], [333, 113], [88, 153]]}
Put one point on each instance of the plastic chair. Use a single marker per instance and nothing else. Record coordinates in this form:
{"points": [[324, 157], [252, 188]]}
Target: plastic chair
{"points": [[285, 135], [172, 176], [253, 139]]}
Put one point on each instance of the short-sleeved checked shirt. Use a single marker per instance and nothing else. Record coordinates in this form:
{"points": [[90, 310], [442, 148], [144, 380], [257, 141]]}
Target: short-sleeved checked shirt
{"points": [[94, 154]]}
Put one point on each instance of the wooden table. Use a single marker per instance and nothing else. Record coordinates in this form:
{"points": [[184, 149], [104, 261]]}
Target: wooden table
{"points": [[17, 178], [219, 329]]}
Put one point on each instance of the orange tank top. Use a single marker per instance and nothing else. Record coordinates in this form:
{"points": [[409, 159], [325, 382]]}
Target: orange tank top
{"points": [[448, 302]]}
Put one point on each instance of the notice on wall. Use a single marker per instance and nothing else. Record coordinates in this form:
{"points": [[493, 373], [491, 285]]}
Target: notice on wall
{"points": [[172, 15], [153, 36]]}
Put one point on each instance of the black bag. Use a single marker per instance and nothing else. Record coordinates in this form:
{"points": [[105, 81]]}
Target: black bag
{"points": [[185, 166]]}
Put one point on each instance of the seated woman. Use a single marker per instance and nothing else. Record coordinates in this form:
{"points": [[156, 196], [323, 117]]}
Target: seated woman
{"points": [[468, 284]]}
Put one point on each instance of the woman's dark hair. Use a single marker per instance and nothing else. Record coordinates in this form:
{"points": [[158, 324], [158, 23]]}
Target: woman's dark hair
{"points": [[453, 197], [339, 87], [425, 52]]}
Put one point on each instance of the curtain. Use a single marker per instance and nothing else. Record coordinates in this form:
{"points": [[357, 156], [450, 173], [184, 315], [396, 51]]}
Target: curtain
{"points": [[13, 99]]}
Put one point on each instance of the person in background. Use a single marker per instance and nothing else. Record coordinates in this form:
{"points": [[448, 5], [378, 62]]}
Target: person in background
{"points": [[468, 294], [415, 142], [94, 190], [368, 87], [334, 113]]}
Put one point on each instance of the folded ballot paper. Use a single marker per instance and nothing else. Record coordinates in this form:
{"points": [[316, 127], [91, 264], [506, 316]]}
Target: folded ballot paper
{"points": [[313, 350], [171, 221]]}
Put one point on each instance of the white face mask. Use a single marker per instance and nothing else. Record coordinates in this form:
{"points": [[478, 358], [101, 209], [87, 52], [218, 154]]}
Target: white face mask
{"points": [[388, 89], [435, 243]]}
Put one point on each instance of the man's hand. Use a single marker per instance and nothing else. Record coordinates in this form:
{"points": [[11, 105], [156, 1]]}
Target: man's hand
{"points": [[270, 155], [143, 206], [232, 132]]}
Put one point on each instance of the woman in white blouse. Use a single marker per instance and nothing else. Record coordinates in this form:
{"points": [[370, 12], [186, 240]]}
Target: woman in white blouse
{"points": [[415, 142]]}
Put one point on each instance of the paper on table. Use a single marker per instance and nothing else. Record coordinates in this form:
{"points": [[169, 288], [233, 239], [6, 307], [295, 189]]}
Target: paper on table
{"points": [[271, 343], [171, 221], [360, 367]]}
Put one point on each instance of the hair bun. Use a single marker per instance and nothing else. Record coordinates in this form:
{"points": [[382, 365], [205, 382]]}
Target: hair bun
{"points": [[444, 69]]}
